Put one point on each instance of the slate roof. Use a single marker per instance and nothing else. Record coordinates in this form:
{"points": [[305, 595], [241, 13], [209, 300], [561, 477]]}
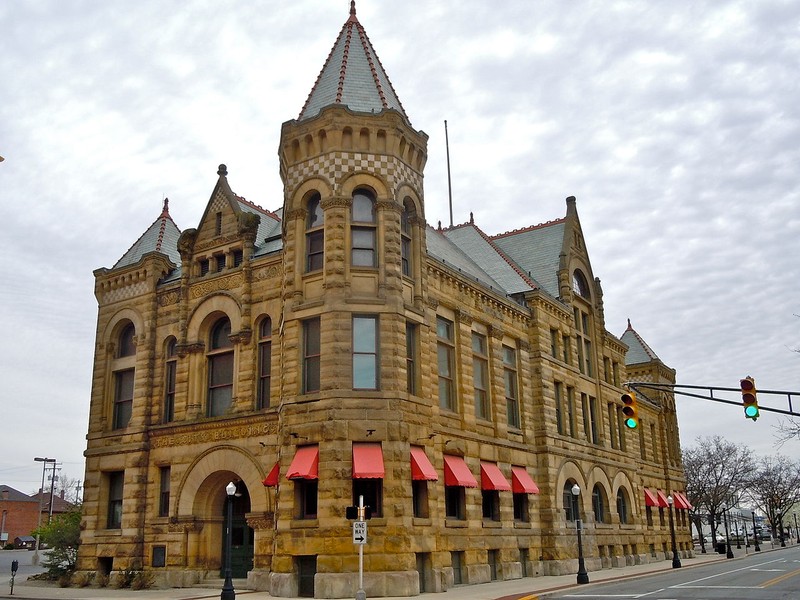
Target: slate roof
{"points": [[638, 350], [14, 495], [162, 236], [352, 76], [536, 251]]}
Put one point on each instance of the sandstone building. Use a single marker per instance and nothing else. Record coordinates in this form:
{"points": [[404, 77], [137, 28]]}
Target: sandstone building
{"points": [[340, 347]]}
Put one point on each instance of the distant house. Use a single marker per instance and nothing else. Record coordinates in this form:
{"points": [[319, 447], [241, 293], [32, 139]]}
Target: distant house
{"points": [[19, 512], [24, 542]]}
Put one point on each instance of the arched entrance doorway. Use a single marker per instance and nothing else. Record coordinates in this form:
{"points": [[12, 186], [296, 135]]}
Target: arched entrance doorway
{"points": [[242, 536]]}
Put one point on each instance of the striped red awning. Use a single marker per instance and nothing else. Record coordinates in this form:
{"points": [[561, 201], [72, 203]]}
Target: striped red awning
{"points": [[457, 473], [421, 467], [650, 498], [521, 482], [492, 478], [681, 501], [368, 461], [662, 499]]}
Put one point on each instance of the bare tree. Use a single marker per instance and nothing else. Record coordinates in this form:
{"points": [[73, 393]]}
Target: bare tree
{"points": [[775, 488], [717, 472]]}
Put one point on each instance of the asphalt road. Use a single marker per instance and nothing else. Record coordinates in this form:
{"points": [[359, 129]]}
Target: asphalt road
{"points": [[25, 559], [769, 576]]}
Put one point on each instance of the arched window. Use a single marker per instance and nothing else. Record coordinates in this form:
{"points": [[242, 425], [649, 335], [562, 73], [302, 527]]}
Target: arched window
{"points": [[622, 506], [599, 504], [315, 235], [405, 235], [220, 368], [571, 506], [580, 285], [127, 344], [123, 374], [362, 230], [170, 372], [264, 362]]}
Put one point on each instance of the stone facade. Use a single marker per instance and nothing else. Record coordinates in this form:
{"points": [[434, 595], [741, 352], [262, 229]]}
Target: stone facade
{"points": [[221, 365]]}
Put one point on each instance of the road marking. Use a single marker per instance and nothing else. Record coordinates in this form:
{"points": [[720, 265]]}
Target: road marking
{"points": [[780, 578], [689, 583], [769, 570]]}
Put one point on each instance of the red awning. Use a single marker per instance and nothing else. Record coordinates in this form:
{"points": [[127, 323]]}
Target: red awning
{"points": [[689, 505], [492, 478], [368, 461], [650, 499], [271, 480], [421, 467], [457, 473], [662, 499], [681, 501], [521, 482], [305, 464]]}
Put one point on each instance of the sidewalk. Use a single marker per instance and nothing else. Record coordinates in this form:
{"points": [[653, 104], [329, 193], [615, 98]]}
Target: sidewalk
{"points": [[529, 588]]}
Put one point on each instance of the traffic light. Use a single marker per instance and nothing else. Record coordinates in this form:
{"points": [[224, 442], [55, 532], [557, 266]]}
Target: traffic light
{"points": [[630, 409], [749, 400]]}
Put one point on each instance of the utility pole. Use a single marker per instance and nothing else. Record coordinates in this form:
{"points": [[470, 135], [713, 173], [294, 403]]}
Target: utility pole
{"points": [[44, 461]]}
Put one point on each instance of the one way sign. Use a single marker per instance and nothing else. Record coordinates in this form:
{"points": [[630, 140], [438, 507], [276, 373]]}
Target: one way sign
{"points": [[360, 532]]}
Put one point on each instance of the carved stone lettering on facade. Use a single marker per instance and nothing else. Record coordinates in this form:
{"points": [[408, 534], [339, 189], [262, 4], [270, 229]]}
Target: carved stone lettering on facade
{"points": [[207, 287], [214, 435]]}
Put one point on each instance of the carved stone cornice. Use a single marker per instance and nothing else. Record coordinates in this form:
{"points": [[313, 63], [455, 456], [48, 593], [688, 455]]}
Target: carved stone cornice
{"points": [[296, 213], [463, 317], [243, 337], [264, 520], [184, 350], [336, 202]]}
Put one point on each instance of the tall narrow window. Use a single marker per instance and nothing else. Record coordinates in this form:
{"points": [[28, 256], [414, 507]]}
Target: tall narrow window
{"points": [[170, 373], [571, 411], [584, 343], [593, 417], [123, 398], [405, 236], [220, 368], [558, 389], [621, 429], [622, 506], [127, 341], [264, 362], [311, 355], [315, 235], [363, 231], [412, 353], [587, 423], [554, 343], [570, 500], [566, 344], [599, 504], [612, 424], [218, 224], [163, 495], [116, 481], [446, 363], [365, 352], [511, 386], [480, 375]]}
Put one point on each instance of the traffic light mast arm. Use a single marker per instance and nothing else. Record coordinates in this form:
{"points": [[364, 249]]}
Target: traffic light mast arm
{"points": [[678, 389]]}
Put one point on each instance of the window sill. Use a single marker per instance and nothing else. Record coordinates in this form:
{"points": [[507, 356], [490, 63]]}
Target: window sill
{"points": [[455, 523], [522, 525], [422, 521], [492, 524], [304, 523]]}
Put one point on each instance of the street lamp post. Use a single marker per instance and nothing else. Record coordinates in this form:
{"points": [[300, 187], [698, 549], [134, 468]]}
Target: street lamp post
{"points": [[755, 533], [780, 526], [44, 461], [738, 536], [228, 593], [729, 553], [583, 576], [676, 561], [796, 530]]}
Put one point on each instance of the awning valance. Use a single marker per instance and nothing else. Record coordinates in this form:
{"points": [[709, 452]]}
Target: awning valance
{"points": [[521, 482], [305, 464], [271, 480], [421, 467], [492, 478], [457, 473], [368, 461]]}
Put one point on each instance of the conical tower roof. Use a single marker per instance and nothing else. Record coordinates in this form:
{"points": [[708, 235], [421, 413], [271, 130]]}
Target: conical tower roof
{"points": [[352, 76], [162, 236]]}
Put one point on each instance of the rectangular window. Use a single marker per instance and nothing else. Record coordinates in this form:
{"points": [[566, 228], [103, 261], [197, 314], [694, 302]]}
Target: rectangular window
{"points": [[587, 356], [220, 384], [315, 250], [264, 372], [606, 369], [363, 246], [593, 417], [521, 508], [218, 224], [365, 352], [615, 372], [123, 398], [305, 491], [642, 445], [480, 375], [511, 386], [204, 267], [419, 498], [491, 504], [159, 556], [492, 557], [457, 562], [454, 502], [445, 350], [238, 258], [411, 357], [116, 480], [372, 491], [219, 261], [571, 411], [584, 343], [169, 390], [559, 393], [163, 495], [565, 348], [311, 355], [579, 345], [587, 427], [554, 343], [612, 422], [621, 429], [405, 255]]}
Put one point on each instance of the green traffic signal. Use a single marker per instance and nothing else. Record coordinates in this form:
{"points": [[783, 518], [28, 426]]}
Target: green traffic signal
{"points": [[630, 409], [749, 400]]}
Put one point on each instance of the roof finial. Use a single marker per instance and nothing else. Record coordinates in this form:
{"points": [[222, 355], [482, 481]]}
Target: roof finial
{"points": [[629, 324], [352, 8], [222, 171], [165, 210]]}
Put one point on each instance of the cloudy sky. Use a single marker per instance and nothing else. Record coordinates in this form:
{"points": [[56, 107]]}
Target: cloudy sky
{"points": [[675, 124]]}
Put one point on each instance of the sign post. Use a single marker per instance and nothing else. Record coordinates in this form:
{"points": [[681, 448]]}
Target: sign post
{"points": [[360, 538]]}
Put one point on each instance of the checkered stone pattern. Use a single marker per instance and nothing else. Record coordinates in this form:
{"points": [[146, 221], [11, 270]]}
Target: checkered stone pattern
{"points": [[125, 292], [335, 165]]}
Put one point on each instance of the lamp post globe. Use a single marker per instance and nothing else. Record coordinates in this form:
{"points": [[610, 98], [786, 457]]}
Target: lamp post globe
{"points": [[583, 576], [228, 593], [676, 561]]}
